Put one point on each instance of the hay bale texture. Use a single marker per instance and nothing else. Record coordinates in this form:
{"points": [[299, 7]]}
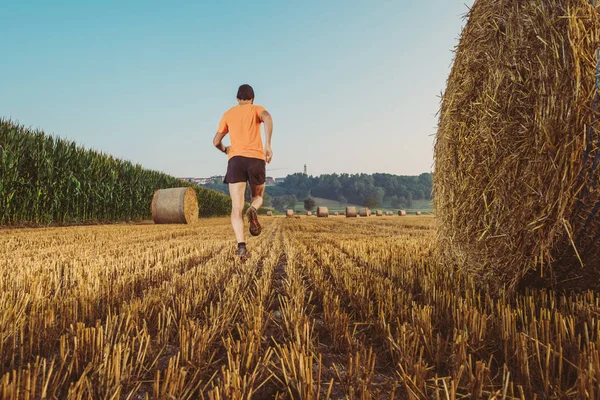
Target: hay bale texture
{"points": [[175, 206], [322, 212], [289, 213], [351, 212], [517, 152], [379, 213], [364, 212]]}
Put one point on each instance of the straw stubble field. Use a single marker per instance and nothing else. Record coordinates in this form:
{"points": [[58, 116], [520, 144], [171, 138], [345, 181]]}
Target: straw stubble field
{"points": [[325, 308]]}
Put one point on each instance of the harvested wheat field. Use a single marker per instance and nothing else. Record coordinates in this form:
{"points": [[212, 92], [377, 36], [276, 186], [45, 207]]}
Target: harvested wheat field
{"points": [[324, 308]]}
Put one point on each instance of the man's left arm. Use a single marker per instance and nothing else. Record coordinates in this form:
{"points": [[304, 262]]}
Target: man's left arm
{"points": [[265, 117]]}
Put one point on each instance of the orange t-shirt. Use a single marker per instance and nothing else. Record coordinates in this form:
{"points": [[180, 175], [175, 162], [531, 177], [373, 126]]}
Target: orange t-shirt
{"points": [[242, 122]]}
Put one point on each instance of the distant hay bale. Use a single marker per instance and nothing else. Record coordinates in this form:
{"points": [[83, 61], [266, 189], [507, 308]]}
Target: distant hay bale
{"points": [[289, 213], [401, 213], [336, 214], [175, 206], [269, 214], [322, 212], [379, 213], [309, 213], [518, 147], [418, 213], [351, 212], [364, 212]]}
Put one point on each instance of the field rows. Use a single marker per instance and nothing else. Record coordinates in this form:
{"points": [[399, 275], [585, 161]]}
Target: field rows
{"points": [[324, 308]]}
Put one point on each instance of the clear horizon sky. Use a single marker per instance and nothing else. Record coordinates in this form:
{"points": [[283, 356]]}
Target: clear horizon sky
{"points": [[353, 86]]}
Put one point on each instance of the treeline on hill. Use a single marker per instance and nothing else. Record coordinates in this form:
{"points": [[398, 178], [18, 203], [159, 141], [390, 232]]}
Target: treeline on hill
{"points": [[50, 180], [369, 190]]}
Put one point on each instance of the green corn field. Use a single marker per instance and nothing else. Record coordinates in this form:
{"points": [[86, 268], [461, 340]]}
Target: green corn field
{"points": [[47, 180]]}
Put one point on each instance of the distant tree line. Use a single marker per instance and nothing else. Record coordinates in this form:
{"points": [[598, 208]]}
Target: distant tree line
{"points": [[369, 190]]}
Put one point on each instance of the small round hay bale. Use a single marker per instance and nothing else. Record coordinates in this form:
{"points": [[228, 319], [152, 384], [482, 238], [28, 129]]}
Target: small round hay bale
{"points": [[175, 206], [269, 213], [336, 213], [322, 212], [289, 213], [364, 212], [516, 151], [401, 213], [418, 213], [379, 213], [351, 212], [309, 213]]}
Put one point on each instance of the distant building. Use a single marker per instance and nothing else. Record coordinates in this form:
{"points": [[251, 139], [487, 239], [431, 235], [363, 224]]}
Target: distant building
{"points": [[203, 181], [269, 181], [279, 180]]}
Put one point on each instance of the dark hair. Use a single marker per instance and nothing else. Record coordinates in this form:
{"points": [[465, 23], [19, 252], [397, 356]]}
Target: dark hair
{"points": [[245, 92]]}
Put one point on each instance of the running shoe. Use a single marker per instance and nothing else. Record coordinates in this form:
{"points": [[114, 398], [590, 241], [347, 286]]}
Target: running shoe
{"points": [[242, 253], [255, 228]]}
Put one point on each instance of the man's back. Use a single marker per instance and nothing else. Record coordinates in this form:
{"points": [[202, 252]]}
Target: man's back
{"points": [[242, 122], [247, 160]]}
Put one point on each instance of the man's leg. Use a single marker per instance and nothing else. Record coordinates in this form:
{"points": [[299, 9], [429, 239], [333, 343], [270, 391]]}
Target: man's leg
{"points": [[257, 200], [257, 173], [236, 191], [258, 192]]}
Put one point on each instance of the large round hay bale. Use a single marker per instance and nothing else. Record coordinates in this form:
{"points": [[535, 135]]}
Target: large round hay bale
{"points": [[379, 213], [175, 206], [269, 213], [289, 213], [351, 212], [517, 149], [401, 213], [364, 212], [322, 212]]}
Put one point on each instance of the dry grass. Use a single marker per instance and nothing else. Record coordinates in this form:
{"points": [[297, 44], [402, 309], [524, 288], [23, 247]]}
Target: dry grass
{"points": [[517, 146], [324, 309]]}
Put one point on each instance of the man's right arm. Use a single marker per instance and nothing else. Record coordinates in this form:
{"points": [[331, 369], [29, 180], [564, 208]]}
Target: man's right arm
{"points": [[218, 142], [268, 121], [221, 132]]}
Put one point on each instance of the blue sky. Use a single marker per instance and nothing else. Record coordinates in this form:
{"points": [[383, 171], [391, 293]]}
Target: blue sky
{"points": [[353, 86]]}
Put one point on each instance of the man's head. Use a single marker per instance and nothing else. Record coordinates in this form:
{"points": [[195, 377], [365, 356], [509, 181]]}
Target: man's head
{"points": [[245, 92]]}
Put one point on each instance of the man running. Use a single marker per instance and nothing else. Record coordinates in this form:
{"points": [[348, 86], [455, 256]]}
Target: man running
{"points": [[247, 159]]}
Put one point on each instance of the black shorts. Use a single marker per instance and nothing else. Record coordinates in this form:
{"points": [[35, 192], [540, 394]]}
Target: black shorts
{"points": [[244, 169]]}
